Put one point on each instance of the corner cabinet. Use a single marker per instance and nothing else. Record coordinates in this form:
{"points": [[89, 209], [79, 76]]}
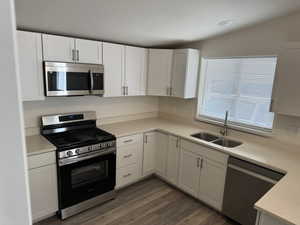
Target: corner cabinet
{"points": [[30, 65], [202, 173], [173, 72], [149, 153], [159, 72], [67, 49]]}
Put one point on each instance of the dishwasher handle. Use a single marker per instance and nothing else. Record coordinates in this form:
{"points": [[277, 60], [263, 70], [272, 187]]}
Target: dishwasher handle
{"points": [[255, 175]]}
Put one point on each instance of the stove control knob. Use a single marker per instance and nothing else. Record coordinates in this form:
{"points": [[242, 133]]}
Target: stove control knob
{"points": [[77, 151], [69, 153]]}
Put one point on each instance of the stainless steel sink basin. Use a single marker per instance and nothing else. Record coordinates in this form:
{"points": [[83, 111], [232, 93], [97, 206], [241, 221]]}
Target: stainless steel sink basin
{"points": [[227, 143], [205, 136]]}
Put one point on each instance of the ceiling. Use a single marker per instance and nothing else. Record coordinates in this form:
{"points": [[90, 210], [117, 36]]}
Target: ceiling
{"points": [[146, 22]]}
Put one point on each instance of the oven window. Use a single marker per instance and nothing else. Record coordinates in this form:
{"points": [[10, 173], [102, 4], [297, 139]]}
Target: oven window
{"points": [[89, 174], [68, 81]]}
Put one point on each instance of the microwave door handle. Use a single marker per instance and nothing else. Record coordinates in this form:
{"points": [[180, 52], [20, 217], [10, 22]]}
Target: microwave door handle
{"points": [[92, 81]]}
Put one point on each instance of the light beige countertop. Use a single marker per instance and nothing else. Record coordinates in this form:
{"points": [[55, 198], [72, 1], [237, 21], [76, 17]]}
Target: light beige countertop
{"points": [[282, 201], [37, 144]]}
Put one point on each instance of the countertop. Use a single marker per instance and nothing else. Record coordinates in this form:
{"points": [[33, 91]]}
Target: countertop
{"points": [[282, 201], [37, 144]]}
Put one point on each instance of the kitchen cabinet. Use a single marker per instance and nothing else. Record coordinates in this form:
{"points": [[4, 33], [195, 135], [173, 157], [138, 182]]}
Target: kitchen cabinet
{"points": [[202, 173], [43, 185], [266, 219], [135, 71], [286, 89], [30, 65], [185, 73], [129, 159], [173, 159], [189, 172], [149, 153], [159, 72], [161, 152], [173, 72], [67, 49], [113, 61]]}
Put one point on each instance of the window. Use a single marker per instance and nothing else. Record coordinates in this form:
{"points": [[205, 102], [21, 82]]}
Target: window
{"points": [[242, 86]]}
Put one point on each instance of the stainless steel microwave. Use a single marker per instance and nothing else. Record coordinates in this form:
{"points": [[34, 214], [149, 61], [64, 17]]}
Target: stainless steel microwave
{"points": [[69, 79]]}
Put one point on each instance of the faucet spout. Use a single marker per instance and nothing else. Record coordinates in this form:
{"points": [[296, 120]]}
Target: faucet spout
{"points": [[224, 130]]}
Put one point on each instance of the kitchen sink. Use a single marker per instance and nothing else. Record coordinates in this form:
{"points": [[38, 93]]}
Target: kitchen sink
{"points": [[218, 140], [227, 143], [205, 136]]}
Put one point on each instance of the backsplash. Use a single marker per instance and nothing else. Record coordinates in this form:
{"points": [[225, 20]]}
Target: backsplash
{"points": [[285, 129], [108, 109]]}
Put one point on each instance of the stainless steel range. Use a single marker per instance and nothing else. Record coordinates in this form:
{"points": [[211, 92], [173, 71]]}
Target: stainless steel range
{"points": [[86, 161]]}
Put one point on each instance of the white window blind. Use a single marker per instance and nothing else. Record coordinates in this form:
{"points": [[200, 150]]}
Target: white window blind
{"points": [[243, 86]]}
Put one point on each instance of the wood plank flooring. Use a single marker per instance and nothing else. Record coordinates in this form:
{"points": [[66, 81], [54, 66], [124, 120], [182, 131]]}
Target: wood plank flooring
{"points": [[149, 202]]}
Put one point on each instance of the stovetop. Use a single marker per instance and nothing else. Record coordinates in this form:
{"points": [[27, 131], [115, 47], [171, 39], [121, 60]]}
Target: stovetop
{"points": [[79, 138]]}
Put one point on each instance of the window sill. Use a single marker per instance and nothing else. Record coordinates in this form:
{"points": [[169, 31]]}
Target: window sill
{"points": [[259, 132]]}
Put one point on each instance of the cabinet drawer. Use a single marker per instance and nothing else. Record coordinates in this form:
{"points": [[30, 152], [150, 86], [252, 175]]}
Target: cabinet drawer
{"points": [[205, 151], [40, 160], [129, 140], [127, 175], [127, 155]]}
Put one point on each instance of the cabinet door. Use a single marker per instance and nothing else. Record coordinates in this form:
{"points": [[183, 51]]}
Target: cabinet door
{"points": [[143, 81], [173, 160], [185, 73], [149, 153], [87, 51], [286, 89], [159, 72], [43, 191], [265, 219], [134, 69], [161, 153], [30, 65], [189, 172], [113, 60], [58, 48], [212, 182]]}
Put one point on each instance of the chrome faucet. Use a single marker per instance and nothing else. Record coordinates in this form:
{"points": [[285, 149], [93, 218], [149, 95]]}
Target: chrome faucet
{"points": [[224, 130]]}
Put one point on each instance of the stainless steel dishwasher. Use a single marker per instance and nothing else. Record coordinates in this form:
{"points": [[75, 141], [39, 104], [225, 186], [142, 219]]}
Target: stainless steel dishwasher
{"points": [[245, 184]]}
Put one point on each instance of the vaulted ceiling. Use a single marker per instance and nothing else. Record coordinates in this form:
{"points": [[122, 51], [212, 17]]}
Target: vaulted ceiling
{"points": [[147, 22]]}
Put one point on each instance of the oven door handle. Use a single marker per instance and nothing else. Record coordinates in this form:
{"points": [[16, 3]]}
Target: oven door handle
{"points": [[75, 159]]}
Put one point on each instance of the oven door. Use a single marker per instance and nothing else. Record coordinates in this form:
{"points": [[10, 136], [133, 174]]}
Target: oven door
{"points": [[67, 79], [80, 181]]}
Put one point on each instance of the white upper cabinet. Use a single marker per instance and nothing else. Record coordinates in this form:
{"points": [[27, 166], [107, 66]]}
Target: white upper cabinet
{"points": [[30, 65], [135, 73], [66, 49], [113, 61], [185, 73], [58, 48], [286, 91], [88, 51], [159, 72]]}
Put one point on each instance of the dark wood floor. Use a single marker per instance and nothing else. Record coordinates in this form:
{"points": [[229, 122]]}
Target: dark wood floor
{"points": [[150, 202]]}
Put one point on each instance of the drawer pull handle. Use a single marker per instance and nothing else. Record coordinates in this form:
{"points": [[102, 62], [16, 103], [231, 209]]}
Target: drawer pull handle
{"points": [[127, 175], [127, 156], [127, 141]]}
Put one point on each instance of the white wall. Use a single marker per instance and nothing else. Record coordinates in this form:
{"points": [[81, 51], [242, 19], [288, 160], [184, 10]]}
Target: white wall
{"points": [[263, 39], [14, 196], [107, 109]]}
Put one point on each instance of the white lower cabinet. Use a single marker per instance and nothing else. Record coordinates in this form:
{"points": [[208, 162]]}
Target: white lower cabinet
{"points": [[43, 185], [202, 173], [161, 151], [189, 172], [129, 159], [266, 219], [173, 159], [149, 153]]}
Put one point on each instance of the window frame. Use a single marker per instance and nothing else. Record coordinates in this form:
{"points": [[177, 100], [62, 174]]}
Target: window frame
{"points": [[215, 121]]}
